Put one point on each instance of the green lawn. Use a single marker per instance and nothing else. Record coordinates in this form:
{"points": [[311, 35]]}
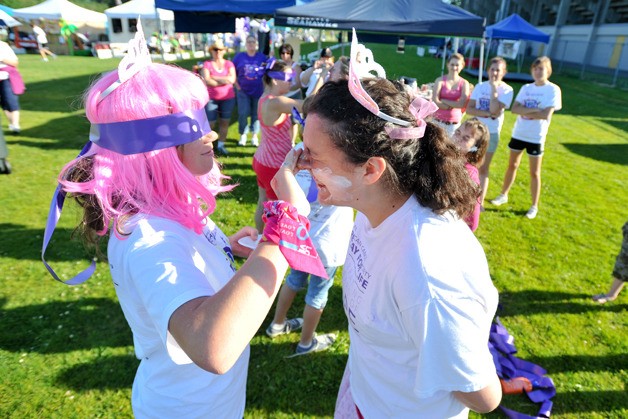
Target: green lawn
{"points": [[67, 351]]}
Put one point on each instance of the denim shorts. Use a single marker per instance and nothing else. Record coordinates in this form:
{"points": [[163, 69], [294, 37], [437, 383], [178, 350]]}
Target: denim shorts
{"points": [[8, 99], [493, 142], [220, 109], [317, 288]]}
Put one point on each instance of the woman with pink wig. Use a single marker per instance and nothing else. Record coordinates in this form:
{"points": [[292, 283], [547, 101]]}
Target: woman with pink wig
{"points": [[147, 181]]}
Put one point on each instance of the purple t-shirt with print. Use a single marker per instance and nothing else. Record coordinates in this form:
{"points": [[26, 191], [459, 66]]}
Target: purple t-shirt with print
{"points": [[247, 71]]}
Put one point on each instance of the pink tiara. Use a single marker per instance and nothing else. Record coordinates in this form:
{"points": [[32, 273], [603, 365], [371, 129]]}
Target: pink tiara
{"points": [[362, 64], [136, 59]]}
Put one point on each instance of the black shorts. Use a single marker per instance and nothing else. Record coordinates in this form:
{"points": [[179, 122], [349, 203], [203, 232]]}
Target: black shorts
{"points": [[532, 149]]}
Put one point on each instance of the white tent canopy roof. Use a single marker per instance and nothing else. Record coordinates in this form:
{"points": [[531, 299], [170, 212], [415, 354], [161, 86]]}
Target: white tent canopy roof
{"points": [[142, 8], [61, 9]]}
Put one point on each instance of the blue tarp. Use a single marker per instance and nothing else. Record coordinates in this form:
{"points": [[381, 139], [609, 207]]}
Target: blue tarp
{"points": [[211, 16], [402, 17], [516, 27]]}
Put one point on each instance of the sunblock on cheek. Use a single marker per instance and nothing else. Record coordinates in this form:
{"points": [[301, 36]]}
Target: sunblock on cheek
{"points": [[337, 186]]}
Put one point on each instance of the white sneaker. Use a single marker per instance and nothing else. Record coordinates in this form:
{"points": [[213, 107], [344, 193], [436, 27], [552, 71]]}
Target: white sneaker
{"points": [[532, 212], [255, 140], [500, 200], [242, 140]]}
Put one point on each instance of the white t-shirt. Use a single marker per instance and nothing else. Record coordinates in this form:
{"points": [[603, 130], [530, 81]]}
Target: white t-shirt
{"points": [[313, 79], [40, 34], [6, 52], [420, 301], [538, 97], [330, 226], [482, 94], [157, 268]]}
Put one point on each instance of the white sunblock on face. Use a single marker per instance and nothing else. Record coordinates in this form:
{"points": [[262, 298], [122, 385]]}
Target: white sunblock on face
{"points": [[335, 186]]}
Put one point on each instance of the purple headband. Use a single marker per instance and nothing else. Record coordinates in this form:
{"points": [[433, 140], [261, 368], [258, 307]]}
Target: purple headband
{"points": [[144, 135], [280, 75]]}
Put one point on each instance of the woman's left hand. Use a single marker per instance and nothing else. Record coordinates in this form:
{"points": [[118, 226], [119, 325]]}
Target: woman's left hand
{"points": [[238, 249]]}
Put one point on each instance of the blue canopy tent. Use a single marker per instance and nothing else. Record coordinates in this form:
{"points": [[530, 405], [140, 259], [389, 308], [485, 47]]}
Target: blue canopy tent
{"points": [[516, 28], [203, 16]]}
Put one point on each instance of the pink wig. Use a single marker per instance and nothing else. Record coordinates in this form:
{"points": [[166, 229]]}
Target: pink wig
{"points": [[156, 182]]}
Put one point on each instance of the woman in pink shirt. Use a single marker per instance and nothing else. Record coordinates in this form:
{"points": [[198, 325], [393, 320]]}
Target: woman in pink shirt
{"points": [[273, 113], [219, 75], [451, 93]]}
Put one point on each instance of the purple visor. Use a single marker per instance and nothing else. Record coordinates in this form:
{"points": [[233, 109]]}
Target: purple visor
{"points": [[280, 75], [144, 135]]}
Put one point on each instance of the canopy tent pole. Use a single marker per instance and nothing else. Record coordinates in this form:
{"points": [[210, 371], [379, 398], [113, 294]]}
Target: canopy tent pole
{"points": [[442, 68], [481, 63]]}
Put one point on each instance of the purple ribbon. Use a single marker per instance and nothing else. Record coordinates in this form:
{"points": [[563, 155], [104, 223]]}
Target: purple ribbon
{"points": [[280, 75], [297, 115], [56, 205], [509, 366], [144, 135]]}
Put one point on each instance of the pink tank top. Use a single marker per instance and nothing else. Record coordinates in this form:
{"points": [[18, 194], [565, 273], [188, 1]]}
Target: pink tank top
{"points": [[224, 91], [276, 139], [450, 115]]}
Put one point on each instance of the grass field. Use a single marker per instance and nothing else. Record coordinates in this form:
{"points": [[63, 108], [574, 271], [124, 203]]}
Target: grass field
{"points": [[67, 351]]}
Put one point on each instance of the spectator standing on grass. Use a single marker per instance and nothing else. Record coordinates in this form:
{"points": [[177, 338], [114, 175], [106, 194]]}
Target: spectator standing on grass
{"points": [[274, 112], [620, 272], [286, 54], [488, 101], [472, 138], [11, 85], [534, 105], [319, 71], [249, 88], [219, 75], [451, 93], [191, 313], [416, 287], [42, 42]]}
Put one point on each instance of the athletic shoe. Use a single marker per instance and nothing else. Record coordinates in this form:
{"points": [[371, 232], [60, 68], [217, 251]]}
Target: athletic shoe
{"points": [[532, 212], [5, 167], [14, 129], [220, 149], [242, 141], [319, 343], [289, 326], [500, 199], [255, 140]]}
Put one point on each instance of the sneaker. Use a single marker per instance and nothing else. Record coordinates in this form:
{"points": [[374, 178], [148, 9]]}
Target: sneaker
{"points": [[532, 212], [45, 60], [289, 326], [242, 141], [319, 343], [255, 140], [500, 200], [5, 167], [220, 149]]}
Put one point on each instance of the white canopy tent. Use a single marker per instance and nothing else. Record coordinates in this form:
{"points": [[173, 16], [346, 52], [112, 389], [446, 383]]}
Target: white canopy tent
{"points": [[63, 9], [153, 19]]}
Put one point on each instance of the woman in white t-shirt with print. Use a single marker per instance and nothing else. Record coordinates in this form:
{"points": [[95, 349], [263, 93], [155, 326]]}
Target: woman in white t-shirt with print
{"points": [[488, 101], [535, 104]]}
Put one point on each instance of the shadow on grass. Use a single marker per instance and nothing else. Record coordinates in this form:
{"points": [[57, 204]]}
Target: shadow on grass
{"points": [[538, 302], [610, 153], [104, 373], [617, 123], [63, 327], [25, 243]]}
